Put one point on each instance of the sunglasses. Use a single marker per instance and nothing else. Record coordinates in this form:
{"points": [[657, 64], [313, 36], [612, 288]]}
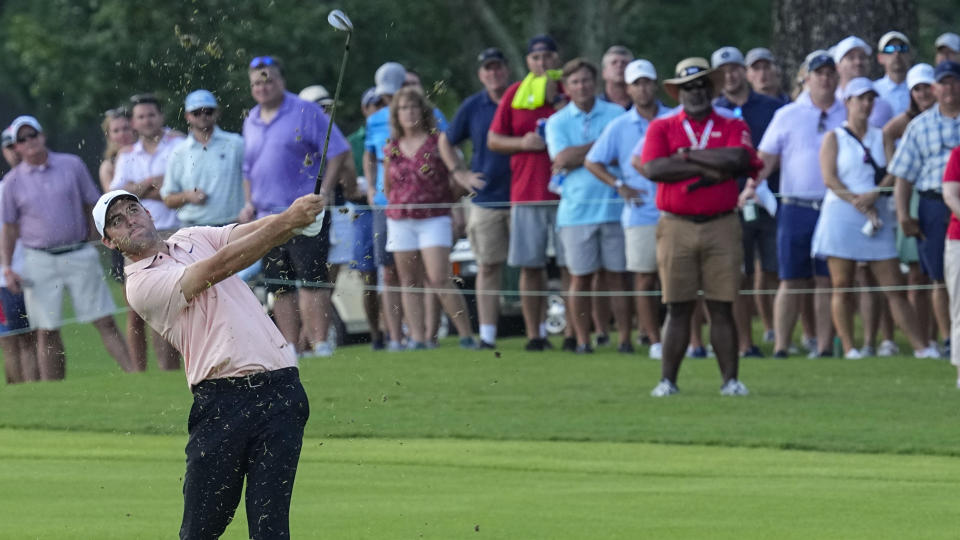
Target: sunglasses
{"points": [[822, 124], [694, 85], [28, 137], [263, 61], [204, 111], [890, 49]]}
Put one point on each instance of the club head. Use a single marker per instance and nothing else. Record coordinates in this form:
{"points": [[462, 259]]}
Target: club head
{"points": [[340, 21]]}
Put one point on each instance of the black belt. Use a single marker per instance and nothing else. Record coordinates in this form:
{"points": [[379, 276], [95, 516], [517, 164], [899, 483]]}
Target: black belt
{"points": [[930, 194], [60, 250], [813, 204], [247, 382], [698, 218]]}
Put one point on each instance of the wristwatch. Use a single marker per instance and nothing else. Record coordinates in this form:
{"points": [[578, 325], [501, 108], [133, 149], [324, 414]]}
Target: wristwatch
{"points": [[618, 184]]}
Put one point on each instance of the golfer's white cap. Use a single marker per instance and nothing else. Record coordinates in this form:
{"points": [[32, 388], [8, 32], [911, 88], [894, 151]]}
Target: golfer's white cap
{"points": [[103, 205]]}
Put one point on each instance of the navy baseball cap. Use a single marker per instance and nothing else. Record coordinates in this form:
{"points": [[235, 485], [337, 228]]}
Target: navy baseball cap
{"points": [[542, 42], [820, 60], [947, 68], [491, 54]]}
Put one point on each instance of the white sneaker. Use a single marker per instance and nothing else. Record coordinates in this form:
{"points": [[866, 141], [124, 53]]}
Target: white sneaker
{"points": [[769, 336], [664, 388], [929, 352], [853, 354], [395, 346], [656, 351], [887, 348], [810, 344], [323, 349], [734, 387]]}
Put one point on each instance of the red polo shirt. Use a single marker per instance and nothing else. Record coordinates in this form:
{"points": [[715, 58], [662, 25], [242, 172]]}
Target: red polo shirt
{"points": [[666, 136], [530, 171], [952, 174]]}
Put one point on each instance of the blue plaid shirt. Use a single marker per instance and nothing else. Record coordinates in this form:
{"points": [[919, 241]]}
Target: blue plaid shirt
{"points": [[922, 154]]}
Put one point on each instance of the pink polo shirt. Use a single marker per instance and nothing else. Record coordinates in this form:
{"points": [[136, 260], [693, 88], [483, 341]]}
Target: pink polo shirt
{"points": [[223, 332]]}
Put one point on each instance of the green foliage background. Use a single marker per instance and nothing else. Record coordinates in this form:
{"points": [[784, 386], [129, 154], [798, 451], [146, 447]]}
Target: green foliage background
{"points": [[66, 61]]}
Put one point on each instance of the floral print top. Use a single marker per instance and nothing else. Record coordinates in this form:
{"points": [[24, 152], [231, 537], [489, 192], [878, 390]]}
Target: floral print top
{"points": [[419, 179]]}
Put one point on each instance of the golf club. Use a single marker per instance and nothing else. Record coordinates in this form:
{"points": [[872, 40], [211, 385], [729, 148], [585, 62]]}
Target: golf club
{"points": [[340, 21]]}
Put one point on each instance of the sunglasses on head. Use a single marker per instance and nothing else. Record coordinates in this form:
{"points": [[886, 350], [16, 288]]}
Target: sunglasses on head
{"points": [[27, 137], [890, 49], [262, 61], [204, 111]]}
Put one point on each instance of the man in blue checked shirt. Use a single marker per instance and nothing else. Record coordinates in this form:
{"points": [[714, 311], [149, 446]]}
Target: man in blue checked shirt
{"points": [[919, 162], [589, 211], [609, 160]]}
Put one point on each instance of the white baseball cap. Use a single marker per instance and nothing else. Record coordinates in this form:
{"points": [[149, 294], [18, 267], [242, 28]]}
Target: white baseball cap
{"points": [[389, 78], [317, 94], [103, 204], [24, 120], [858, 87], [848, 44], [948, 40], [890, 36], [637, 69], [726, 55], [920, 74]]}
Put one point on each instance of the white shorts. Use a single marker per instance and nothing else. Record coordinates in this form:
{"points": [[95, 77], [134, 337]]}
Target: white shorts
{"points": [[415, 234], [46, 276], [641, 248]]}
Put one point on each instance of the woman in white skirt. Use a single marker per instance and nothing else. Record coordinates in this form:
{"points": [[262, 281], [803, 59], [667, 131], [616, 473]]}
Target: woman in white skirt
{"points": [[857, 220]]}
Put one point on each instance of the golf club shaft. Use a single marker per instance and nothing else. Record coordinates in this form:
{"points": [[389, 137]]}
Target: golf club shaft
{"points": [[333, 113]]}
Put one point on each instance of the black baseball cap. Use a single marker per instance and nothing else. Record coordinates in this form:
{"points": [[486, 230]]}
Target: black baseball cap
{"points": [[490, 55], [542, 42]]}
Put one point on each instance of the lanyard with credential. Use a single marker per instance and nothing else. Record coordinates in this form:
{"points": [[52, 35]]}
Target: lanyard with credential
{"points": [[704, 137]]}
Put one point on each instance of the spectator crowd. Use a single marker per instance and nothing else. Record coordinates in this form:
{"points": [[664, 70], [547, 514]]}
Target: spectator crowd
{"points": [[821, 192]]}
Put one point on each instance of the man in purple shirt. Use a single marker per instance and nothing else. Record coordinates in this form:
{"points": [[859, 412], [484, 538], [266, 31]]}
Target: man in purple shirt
{"points": [[283, 138], [46, 205]]}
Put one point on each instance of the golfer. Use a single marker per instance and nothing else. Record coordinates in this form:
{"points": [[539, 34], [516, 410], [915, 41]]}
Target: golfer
{"points": [[249, 408]]}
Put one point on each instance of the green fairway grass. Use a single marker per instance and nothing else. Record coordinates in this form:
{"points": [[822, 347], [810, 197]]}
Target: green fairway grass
{"points": [[108, 486], [449, 443]]}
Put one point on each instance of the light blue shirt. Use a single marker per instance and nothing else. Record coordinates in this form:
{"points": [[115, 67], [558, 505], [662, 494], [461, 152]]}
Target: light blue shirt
{"points": [[897, 95], [215, 169], [585, 199], [614, 149], [378, 132]]}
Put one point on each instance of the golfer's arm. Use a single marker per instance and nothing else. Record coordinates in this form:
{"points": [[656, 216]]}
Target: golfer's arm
{"points": [[8, 241], [248, 243]]}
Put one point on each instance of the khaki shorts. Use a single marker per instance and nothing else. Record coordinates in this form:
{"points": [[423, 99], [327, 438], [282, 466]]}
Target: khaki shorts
{"points": [[48, 276], [699, 256], [641, 242], [489, 232]]}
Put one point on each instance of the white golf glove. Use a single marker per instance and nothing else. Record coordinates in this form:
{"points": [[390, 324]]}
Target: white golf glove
{"points": [[314, 228]]}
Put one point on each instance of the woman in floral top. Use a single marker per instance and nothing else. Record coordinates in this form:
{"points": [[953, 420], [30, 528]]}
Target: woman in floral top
{"points": [[417, 175]]}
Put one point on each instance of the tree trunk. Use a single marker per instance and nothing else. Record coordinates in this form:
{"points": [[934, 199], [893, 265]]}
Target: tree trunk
{"points": [[802, 26]]}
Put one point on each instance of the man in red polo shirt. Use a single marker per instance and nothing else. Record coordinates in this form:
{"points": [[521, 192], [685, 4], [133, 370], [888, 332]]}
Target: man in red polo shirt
{"points": [[514, 131], [951, 253], [695, 156]]}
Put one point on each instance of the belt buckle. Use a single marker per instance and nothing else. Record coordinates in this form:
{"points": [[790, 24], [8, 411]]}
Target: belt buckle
{"points": [[249, 382]]}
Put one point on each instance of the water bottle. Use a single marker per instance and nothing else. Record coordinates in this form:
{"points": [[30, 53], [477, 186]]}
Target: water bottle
{"points": [[542, 128], [556, 181], [749, 211]]}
